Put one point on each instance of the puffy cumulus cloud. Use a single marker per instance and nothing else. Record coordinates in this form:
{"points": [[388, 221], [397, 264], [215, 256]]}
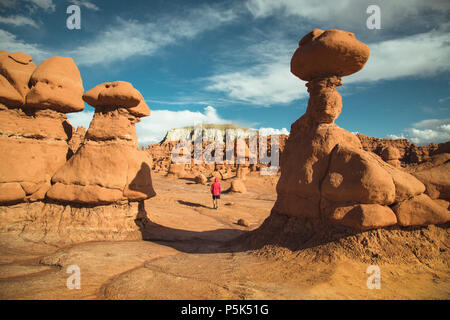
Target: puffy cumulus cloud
{"points": [[18, 21], [427, 131]]}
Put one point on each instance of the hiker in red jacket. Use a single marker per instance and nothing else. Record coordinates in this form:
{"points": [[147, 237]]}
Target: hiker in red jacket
{"points": [[216, 189]]}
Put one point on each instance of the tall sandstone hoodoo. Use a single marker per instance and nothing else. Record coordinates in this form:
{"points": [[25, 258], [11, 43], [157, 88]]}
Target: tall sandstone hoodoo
{"points": [[33, 127], [108, 167], [326, 176]]}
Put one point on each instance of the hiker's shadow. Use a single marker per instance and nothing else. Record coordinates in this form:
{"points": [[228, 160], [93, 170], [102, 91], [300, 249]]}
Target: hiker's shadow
{"points": [[211, 241], [193, 204]]}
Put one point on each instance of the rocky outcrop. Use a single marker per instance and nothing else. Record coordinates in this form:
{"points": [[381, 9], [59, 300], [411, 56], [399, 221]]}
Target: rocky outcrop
{"points": [[16, 68], [77, 139], [161, 153], [436, 180], [56, 84], [326, 175], [34, 136], [201, 179], [238, 186], [108, 167], [408, 153]]}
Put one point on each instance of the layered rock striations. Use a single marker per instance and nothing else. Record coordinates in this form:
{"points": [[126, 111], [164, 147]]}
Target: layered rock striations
{"points": [[34, 132]]}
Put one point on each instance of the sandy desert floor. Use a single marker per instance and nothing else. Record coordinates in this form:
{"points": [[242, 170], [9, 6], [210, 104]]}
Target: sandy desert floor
{"points": [[187, 255]]}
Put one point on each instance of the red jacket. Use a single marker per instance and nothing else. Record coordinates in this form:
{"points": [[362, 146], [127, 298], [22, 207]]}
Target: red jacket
{"points": [[216, 189]]}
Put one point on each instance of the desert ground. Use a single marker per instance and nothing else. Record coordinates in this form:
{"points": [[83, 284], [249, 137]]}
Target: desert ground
{"points": [[192, 251]]}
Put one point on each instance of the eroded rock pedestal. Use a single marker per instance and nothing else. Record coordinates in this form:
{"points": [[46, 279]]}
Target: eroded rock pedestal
{"points": [[108, 167], [56, 189], [34, 132], [326, 176]]}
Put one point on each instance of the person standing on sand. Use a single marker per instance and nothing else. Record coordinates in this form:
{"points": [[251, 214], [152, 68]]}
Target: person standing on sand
{"points": [[216, 189]]}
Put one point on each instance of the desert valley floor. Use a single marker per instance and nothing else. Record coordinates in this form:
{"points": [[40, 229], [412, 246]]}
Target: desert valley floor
{"points": [[192, 251]]}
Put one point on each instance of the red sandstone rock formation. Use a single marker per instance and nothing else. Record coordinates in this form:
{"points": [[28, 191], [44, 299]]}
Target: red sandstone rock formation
{"points": [[409, 153], [238, 186], [108, 167], [33, 127], [16, 68], [77, 139], [326, 175]]}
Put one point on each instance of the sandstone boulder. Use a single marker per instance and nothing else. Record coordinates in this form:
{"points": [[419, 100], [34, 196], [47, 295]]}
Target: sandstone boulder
{"points": [[436, 180], [176, 170], [56, 84], [391, 155], [327, 53], [420, 210], [243, 222], [363, 216], [201, 179], [9, 96], [17, 68], [353, 175], [118, 94], [238, 186]]}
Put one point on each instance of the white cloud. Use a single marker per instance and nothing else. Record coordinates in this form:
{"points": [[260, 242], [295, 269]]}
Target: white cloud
{"points": [[18, 21], [427, 131], [47, 5], [128, 38], [419, 55], [264, 84], [270, 81], [86, 4], [9, 42], [351, 14]]}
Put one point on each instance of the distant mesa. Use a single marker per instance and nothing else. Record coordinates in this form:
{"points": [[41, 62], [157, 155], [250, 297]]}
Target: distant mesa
{"points": [[209, 132]]}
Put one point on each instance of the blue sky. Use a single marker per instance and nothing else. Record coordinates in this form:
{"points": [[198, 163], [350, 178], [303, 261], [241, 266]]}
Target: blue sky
{"points": [[228, 61]]}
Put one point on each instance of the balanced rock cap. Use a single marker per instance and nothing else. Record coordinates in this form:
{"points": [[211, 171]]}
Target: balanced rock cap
{"points": [[117, 94], [17, 68], [56, 84], [328, 53]]}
